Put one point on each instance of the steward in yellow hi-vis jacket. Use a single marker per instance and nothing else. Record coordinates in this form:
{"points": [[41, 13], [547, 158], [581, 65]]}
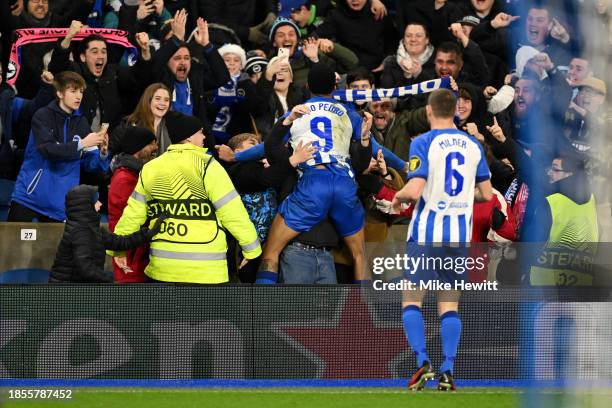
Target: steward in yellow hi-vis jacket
{"points": [[567, 220], [199, 200]]}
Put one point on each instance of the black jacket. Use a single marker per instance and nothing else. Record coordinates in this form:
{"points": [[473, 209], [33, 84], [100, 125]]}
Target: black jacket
{"points": [[437, 21], [393, 75], [81, 252], [358, 31], [489, 39], [239, 15], [274, 108], [16, 117], [253, 176], [116, 84], [206, 76]]}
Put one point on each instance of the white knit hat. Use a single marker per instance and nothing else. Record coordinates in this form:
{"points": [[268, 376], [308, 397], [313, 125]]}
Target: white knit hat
{"points": [[522, 57], [234, 49]]}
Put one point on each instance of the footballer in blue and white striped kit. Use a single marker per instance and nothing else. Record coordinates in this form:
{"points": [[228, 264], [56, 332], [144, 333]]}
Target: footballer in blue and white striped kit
{"points": [[447, 172], [452, 162], [327, 188]]}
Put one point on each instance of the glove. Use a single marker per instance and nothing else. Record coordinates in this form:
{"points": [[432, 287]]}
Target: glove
{"points": [[266, 278], [150, 233], [497, 219]]}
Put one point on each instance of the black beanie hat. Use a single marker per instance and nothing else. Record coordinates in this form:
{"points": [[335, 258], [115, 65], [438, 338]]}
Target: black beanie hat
{"points": [[254, 63], [181, 126], [135, 138], [321, 79]]}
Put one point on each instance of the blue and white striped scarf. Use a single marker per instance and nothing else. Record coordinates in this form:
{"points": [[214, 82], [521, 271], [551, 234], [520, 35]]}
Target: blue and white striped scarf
{"points": [[354, 95]]}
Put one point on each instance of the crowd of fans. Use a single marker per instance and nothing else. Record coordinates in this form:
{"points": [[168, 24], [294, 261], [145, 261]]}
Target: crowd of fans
{"points": [[87, 109]]}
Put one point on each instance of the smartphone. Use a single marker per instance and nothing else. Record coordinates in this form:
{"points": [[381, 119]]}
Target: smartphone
{"points": [[283, 53], [103, 128]]}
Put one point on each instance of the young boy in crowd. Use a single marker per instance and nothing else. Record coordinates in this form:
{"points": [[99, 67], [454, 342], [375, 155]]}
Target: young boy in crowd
{"points": [[60, 144]]}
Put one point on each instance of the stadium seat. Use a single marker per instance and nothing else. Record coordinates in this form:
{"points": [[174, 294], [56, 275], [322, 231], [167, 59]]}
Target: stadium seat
{"points": [[25, 276]]}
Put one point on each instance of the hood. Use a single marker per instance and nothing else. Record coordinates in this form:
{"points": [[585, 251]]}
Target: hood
{"points": [[127, 161], [33, 22], [352, 13], [87, 75], [576, 187], [80, 209], [479, 105], [54, 106]]}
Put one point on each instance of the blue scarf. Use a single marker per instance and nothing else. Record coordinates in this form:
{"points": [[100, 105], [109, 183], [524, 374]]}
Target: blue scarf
{"points": [[353, 95], [95, 16], [181, 98], [225, 98]]}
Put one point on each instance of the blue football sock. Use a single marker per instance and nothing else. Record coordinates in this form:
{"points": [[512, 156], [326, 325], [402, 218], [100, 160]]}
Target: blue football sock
{"points": [[450, 332], [414, 328], [266, 278]]}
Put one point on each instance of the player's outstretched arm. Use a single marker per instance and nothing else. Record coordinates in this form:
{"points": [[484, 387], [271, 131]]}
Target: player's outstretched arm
{"points": [[365, 129], [297, 112], [483, 191], [410, 193]]}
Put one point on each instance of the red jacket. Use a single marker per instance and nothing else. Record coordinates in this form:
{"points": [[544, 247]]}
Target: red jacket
{"points": [[122, 185], [482, 223], [387, 194], [483, 231]]}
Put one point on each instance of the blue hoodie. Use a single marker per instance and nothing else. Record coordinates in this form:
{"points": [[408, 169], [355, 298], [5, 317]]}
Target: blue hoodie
{"points": [[53, 161]]}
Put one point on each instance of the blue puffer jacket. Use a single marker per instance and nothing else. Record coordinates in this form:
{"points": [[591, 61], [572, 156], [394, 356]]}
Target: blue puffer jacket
{"points": [[53, 161]]}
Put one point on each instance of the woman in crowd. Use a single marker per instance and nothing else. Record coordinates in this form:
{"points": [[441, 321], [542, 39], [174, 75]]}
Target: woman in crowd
{"points": [[149, 114], [280, 92], [414, 60]]}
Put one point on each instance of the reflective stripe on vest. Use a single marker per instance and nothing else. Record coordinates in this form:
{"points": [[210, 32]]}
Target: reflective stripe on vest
{"points": [[225, 199], [188, 256], [249, 247], [139, 197], [567, 259]]}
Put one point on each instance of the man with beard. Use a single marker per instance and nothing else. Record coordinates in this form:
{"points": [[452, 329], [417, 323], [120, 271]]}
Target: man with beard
{"points": [[450, 58], [465, 64], [138, 147], [188, 81], [105, 83], [527, 94], [395, 130], [36, 14]]}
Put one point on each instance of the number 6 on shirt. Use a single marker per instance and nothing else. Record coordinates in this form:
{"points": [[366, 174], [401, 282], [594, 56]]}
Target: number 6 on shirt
{"points": [[452, 175]]}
